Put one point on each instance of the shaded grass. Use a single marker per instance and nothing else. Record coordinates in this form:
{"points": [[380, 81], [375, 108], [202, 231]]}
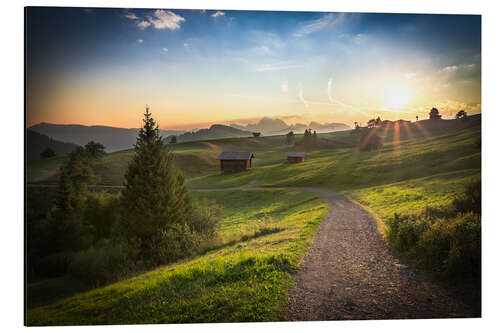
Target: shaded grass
{"points": [[39, 170], [247, 280]]}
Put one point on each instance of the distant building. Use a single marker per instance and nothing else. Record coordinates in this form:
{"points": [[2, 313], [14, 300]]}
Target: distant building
{"points": [[295, 157], [235, 161]]}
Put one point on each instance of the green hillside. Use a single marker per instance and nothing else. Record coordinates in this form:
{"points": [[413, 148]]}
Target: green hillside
{"points": [[247, 274], [419, 163], [262, 238]]}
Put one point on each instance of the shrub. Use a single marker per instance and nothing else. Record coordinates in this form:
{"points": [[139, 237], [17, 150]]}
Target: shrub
{"points": [[104, 262], [445, 240], [205, 218], [470, 201]]}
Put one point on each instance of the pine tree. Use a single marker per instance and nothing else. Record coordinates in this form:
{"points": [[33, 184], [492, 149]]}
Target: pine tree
{"points": [[290, 138], [67, 225], [156, 207], [314, 139]]}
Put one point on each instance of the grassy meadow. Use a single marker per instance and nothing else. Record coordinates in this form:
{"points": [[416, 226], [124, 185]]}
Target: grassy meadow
{"points": [[245, 277], [249, 270]]}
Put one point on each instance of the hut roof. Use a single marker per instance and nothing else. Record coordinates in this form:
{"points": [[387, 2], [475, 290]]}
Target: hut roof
{"points": [[295, 154], [235, 155]]}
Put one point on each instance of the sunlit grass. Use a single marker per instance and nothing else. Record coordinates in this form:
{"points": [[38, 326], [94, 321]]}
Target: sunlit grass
{"points": [[246, 278]]}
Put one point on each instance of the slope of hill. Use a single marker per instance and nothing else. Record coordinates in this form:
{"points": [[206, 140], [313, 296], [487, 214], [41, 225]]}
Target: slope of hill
{"points": [[421, 164], [246, 277], [36, 143], [214, 132], [113, 138]]}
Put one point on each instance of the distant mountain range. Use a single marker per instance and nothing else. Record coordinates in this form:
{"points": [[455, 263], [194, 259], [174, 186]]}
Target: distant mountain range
{"points": [[269, 126], [113, 138], [214, 132], [36, 143]]}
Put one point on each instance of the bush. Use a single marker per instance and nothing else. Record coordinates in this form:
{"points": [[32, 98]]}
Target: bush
{"points": [[104, 262], [470, 201], [205, 218], [445, 240]]}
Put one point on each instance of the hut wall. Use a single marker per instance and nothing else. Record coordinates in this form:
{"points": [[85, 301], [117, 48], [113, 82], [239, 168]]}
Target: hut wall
{"points": [[234, 165], [295, 159]]}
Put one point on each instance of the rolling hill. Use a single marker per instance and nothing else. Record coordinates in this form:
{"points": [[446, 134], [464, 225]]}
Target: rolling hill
{"points": [[421, 164], [214, 132], [36, 143], [113, 138]]}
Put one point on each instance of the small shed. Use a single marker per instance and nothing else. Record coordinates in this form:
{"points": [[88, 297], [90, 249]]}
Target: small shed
{"points": [[295, 157], [235, 161]]}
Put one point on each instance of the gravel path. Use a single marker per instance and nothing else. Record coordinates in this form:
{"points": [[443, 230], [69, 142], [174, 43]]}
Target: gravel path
{"points": [[349, 273]]}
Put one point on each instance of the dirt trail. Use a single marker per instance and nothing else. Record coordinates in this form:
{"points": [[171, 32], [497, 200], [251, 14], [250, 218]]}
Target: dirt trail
{"points": [[349, 273]]}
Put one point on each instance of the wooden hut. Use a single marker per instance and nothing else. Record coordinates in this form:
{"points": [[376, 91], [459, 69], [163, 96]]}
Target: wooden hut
{"points": [[295, 157], [235, 161]]}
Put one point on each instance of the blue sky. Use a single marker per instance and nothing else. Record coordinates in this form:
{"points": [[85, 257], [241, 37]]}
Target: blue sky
{"points": [[196, 67]]}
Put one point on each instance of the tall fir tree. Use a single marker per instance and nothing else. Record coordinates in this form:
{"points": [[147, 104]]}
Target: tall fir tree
{"points": [[156, 207]]}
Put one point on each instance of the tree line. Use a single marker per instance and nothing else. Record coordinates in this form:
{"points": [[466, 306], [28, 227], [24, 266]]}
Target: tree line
{"points": [[99, 237]]}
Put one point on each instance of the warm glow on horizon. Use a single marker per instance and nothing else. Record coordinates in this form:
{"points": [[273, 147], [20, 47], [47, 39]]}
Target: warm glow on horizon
{"points": [[244, 65]]}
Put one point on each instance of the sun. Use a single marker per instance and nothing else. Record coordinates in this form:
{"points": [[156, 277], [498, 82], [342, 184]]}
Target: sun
{"points": [[396, 97]]}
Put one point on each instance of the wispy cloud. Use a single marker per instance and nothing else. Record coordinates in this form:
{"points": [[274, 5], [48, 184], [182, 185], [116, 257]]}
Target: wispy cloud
{"points": [[328, 20], [301, 96], [217, 14], [449, 69], [166, 19], [276, 66], [140, 41], [329, 89], [165, 50]]}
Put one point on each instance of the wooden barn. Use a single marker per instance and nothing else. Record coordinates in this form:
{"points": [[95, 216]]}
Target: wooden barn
{"points": [[235, 161], [295, 157]]}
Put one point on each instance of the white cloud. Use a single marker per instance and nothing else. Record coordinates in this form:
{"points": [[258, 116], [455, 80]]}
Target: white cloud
{"points": [[328, 20], [143, 24], [131, 16], [217, 14], [166, 19], [140, 41], [186, 44], [284, 86], [165, 49]]}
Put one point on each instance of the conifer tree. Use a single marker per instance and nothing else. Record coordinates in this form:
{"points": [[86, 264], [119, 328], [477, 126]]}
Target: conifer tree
{"points": [[156, 207]]}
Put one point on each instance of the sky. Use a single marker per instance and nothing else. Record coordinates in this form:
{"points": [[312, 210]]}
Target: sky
{"points": [[96, 66]]}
